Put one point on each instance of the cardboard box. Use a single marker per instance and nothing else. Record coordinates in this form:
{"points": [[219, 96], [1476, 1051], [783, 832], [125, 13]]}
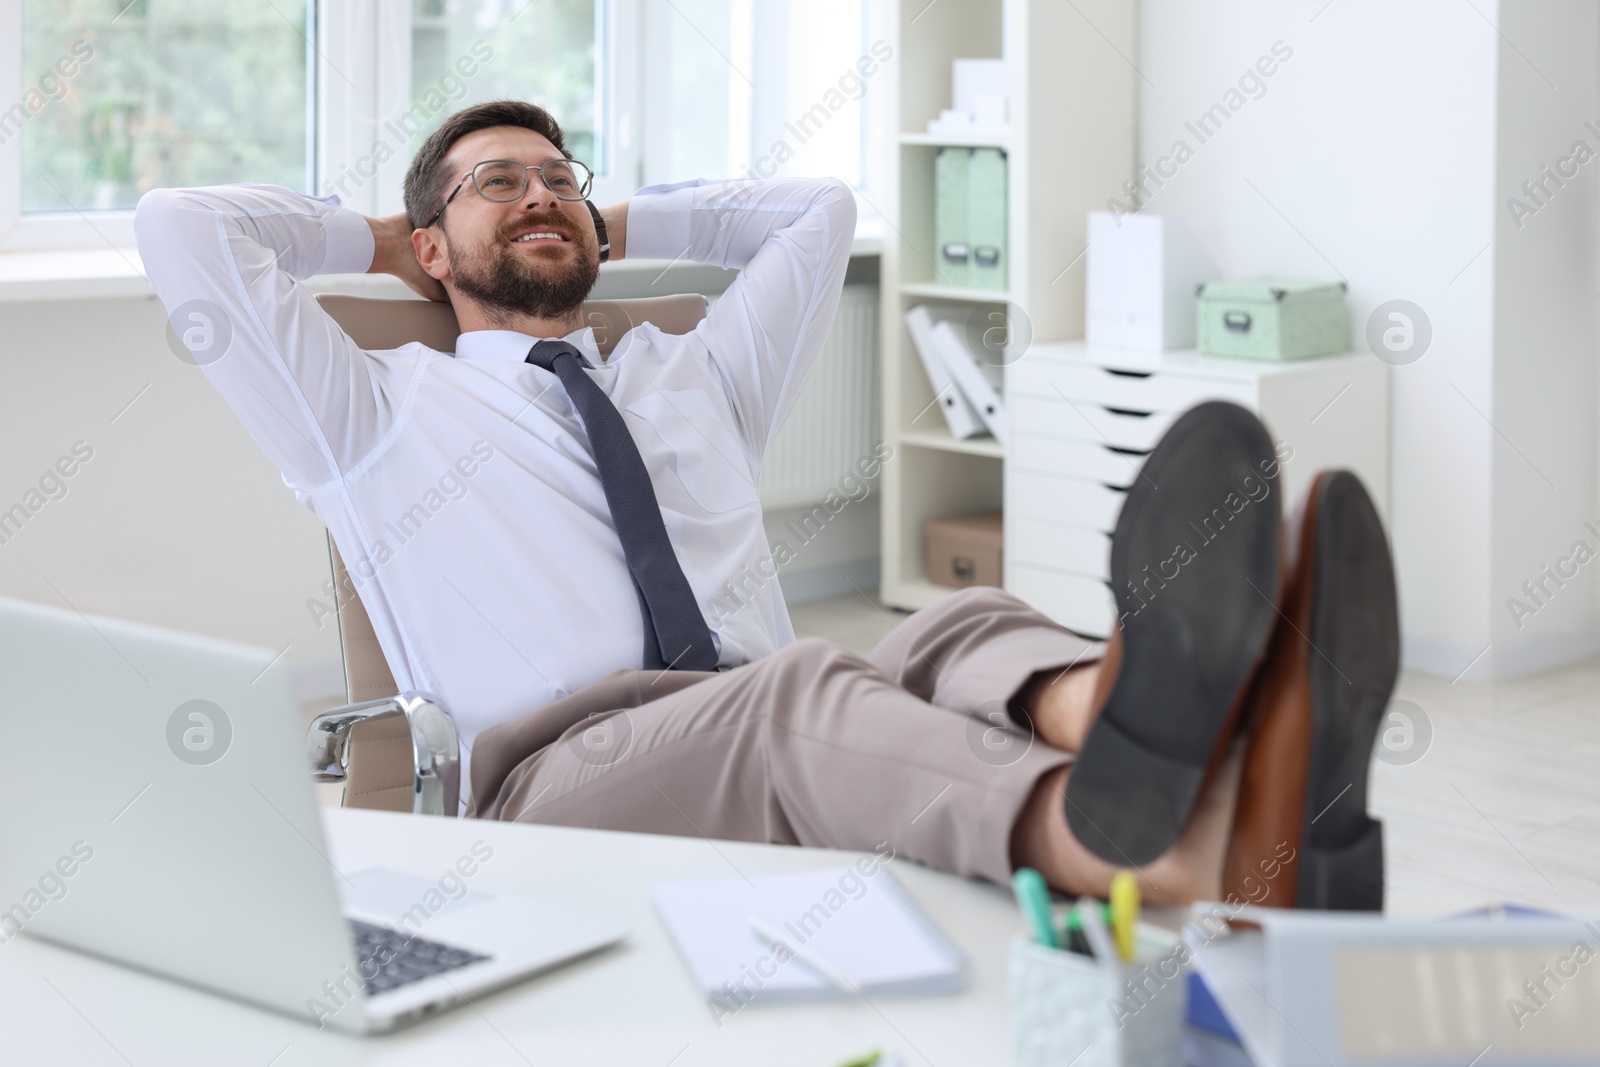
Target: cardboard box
{"points": [[964, 550]]}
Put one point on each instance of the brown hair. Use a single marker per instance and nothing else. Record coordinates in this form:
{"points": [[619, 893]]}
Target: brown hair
{"points": [[426, 178]]}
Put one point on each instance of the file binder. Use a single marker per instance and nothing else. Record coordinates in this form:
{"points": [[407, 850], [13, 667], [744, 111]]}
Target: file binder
{"points": [[953, 403], [963, 366]]}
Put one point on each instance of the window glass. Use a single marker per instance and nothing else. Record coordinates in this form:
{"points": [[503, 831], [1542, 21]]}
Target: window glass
{"points": [[119, 98], [822, 92], [541, 51]]}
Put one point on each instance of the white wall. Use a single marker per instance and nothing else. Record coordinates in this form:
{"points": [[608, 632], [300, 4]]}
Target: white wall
{"points": [[1544, 338], [1378, 152], [178, 519]]}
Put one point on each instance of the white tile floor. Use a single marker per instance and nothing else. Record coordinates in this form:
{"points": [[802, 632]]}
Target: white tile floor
{"points": [[1493, 796]]}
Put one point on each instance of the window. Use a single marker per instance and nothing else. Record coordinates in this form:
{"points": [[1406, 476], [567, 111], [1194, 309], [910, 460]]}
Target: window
{"points": [[793, 101], [121, 96], [541, 51]]}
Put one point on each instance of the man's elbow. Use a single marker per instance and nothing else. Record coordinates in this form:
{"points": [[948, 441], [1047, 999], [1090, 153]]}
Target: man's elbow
{"points": [[172, 225], [157, 214], [839, 201]]}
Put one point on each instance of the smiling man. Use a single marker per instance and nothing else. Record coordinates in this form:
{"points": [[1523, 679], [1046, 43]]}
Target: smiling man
{"points": [[564, 608]]}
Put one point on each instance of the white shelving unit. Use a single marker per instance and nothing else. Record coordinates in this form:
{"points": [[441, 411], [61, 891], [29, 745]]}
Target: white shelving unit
{"points": [[1070, 146]]}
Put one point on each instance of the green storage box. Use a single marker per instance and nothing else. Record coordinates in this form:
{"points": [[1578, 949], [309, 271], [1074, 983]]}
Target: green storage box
{"points": [[1272, 318], [986, 217], [969, 226], [951, 228]]}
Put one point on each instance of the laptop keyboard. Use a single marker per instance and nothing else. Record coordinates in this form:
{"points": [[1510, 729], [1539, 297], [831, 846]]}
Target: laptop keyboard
{"points": [[399, 959]]}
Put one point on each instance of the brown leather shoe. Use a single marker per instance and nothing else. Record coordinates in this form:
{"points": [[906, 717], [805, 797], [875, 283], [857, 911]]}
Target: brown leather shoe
{"points": [[1301, 834], [1195, 569]]}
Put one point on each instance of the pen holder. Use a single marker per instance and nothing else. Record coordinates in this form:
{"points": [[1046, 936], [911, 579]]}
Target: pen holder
{"points": [[1070, 1008]]}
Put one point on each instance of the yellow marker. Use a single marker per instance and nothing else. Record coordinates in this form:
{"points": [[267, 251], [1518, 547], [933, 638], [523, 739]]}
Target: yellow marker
{"points": [[1124, 912]]}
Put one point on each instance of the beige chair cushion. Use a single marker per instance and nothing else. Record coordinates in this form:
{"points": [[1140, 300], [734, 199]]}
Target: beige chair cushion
{"points": [[382, 765], [383, 324]]}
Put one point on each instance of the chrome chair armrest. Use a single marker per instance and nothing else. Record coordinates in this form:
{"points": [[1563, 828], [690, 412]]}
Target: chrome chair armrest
{"points": [[435, 747]]}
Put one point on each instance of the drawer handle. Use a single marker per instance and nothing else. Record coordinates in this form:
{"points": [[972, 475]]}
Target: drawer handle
{"points": [[1237, 321], [964, 568], [1125, 451], [1130, 412], [1128, 373]]}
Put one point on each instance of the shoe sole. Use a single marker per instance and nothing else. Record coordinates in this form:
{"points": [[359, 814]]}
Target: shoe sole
{"points": [[1354, 662], [1194, 625]]}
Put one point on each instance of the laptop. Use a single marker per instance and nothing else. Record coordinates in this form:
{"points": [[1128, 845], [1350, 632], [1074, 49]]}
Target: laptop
{"points": [[161, 814]]}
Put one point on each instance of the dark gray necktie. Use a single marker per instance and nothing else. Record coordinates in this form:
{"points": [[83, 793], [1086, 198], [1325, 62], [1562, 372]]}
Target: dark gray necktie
{"points": [[675, 633]]}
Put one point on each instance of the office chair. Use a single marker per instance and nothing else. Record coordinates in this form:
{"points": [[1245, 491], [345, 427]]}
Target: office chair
{"points": [[398, 751]]}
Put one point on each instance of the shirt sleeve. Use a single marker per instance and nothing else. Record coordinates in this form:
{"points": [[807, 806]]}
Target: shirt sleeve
{"points": [[790, 238], [227, 262]]}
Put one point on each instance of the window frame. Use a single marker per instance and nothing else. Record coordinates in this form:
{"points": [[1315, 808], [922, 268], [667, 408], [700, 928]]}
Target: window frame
{"points": [[369, 41]]}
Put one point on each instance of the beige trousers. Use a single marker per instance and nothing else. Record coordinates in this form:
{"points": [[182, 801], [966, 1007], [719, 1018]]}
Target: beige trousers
{"points": [[812, 745]]}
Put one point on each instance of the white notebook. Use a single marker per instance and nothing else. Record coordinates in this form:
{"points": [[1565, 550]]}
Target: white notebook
{"points": [[864, 925]]}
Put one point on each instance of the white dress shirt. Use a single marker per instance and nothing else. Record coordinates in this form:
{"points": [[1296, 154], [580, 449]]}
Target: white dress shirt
{"points": [[461, 489]]}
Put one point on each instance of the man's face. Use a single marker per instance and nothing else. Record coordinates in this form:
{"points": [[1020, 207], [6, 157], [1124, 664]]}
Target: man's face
{"points": [[542, 277]]}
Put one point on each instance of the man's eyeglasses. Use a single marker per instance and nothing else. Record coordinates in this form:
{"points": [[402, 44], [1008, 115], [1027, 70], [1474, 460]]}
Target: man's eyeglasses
{"points": [[503, 180]]}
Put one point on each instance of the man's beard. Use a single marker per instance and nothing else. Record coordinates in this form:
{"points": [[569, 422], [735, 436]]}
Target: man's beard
{"points": [[506, 283]]}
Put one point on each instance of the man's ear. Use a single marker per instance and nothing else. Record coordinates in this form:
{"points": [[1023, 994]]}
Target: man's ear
{"points": [[430, 254], [599, 230]]}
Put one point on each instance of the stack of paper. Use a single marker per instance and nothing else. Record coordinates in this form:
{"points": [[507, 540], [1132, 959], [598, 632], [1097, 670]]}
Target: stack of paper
{"points": [[861, 925], [980, 91]]}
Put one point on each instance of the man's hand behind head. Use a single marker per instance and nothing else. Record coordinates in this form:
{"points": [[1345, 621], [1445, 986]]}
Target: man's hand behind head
{"points": [[393, 253]]}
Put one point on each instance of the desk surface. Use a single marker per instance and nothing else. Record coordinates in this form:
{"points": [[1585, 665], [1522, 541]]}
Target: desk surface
{"points": [[633, 1004]]}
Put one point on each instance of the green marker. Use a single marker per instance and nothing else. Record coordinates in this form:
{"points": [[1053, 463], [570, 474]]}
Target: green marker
{"points": [[868, 1060], [1033, 897]]}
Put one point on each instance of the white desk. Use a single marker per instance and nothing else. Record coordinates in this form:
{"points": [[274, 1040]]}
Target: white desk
{"points": [[632, 1004]]}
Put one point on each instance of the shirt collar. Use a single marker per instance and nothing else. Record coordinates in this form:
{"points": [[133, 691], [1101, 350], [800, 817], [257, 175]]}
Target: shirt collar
{"points": [[513, 347]]}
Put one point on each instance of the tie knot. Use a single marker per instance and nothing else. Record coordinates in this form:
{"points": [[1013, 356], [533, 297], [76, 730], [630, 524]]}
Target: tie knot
{"points": [[546, 352]]}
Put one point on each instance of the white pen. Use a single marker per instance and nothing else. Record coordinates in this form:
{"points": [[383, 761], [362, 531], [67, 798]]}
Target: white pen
{"points": [[1095, 932], [775, 939]]}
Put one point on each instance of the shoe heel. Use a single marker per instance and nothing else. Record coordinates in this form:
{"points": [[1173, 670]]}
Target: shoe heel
{"points": [[1346, 879], [1126, 803]]}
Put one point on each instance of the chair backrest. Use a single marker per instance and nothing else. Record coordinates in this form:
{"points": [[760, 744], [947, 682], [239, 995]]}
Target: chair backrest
{"points": [[381, 324]]}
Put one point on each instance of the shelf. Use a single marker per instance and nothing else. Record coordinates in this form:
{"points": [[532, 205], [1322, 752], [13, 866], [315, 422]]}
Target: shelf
{"points": [[956, 140], [935, 291], [941, 439], [1071, 140]]}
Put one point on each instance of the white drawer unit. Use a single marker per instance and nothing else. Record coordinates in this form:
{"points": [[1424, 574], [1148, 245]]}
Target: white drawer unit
{"points": [[1123, 380], [1083, 605], [1102, 464], [1067, 501], [1079, 549], [1082, 421], [1087, 420]]}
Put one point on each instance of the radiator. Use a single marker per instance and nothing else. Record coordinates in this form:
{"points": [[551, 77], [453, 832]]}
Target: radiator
{"points": [[835, 423]]}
